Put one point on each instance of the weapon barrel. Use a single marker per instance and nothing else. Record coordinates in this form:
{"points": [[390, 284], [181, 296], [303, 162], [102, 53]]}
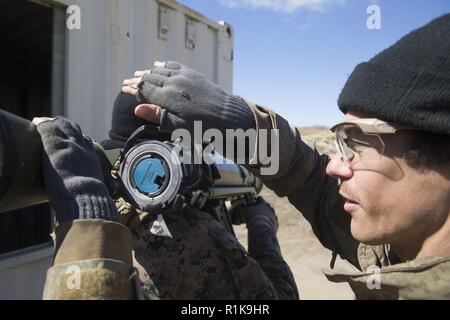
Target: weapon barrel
{"points": [[231, 192], [21, 181], [233, 180]]}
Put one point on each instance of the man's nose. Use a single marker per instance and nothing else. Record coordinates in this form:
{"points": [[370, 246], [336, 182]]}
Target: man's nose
{"points": [[338, 168]]}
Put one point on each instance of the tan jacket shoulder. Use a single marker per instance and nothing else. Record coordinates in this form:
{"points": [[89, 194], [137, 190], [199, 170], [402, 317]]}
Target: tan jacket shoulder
{"points": [[93, 260], [380, 278]]}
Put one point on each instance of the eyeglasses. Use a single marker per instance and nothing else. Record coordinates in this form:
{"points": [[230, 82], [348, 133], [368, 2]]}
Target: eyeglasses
{"points": [[359, 141]]}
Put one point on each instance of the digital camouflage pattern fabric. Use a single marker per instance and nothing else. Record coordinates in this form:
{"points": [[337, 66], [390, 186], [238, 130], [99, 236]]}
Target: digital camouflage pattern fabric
{"points": [[189, 255]]}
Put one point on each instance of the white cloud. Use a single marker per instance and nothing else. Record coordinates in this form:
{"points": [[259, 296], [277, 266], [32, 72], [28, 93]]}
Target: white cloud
{"points": [[284, 6]]}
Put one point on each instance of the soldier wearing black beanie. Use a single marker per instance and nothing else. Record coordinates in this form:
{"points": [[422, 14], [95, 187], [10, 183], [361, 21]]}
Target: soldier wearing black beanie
{"points": [[408, 83]]}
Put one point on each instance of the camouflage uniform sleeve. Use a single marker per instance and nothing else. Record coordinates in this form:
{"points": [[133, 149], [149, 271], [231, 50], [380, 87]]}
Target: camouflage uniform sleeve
{"points": [[302, 178], [92, 261], [263, 246]]}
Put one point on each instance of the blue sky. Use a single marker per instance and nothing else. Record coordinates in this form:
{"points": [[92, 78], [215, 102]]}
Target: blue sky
{"points": [[294, 56]]}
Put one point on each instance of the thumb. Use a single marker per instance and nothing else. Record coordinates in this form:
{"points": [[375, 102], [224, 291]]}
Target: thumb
{"points": [[149, 112]]}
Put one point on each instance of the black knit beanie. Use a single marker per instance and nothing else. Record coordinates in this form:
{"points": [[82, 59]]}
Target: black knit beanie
{"points": [[124, 123], [408, 83]]}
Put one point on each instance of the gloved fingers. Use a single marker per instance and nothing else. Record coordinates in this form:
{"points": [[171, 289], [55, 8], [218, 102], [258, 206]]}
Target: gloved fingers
{"points": [[129, 90], [261, 208], [132, 82], [140, 73], [146, 93], [49, 130], [171, 65], [148, 112], [163, 72], [60, 128], [158, 70], [72, 125], [54, 127], [169, 122], [131, 86], [155, 79], [60, 125], [88, 141]]}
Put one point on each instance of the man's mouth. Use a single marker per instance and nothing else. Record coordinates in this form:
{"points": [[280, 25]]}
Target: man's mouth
{"points": [[350, 203], [348, 198]]}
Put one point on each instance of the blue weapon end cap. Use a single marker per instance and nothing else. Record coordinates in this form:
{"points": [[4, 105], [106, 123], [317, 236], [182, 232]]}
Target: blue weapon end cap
{"points": [[149, 175]]}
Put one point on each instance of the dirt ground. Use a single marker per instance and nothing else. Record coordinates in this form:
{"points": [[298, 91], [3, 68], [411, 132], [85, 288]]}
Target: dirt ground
{"points": [[302, 251]]}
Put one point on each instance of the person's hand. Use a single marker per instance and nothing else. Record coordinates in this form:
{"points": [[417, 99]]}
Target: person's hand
{"points": [[72, 173], [260, 211], [175, 96]]}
